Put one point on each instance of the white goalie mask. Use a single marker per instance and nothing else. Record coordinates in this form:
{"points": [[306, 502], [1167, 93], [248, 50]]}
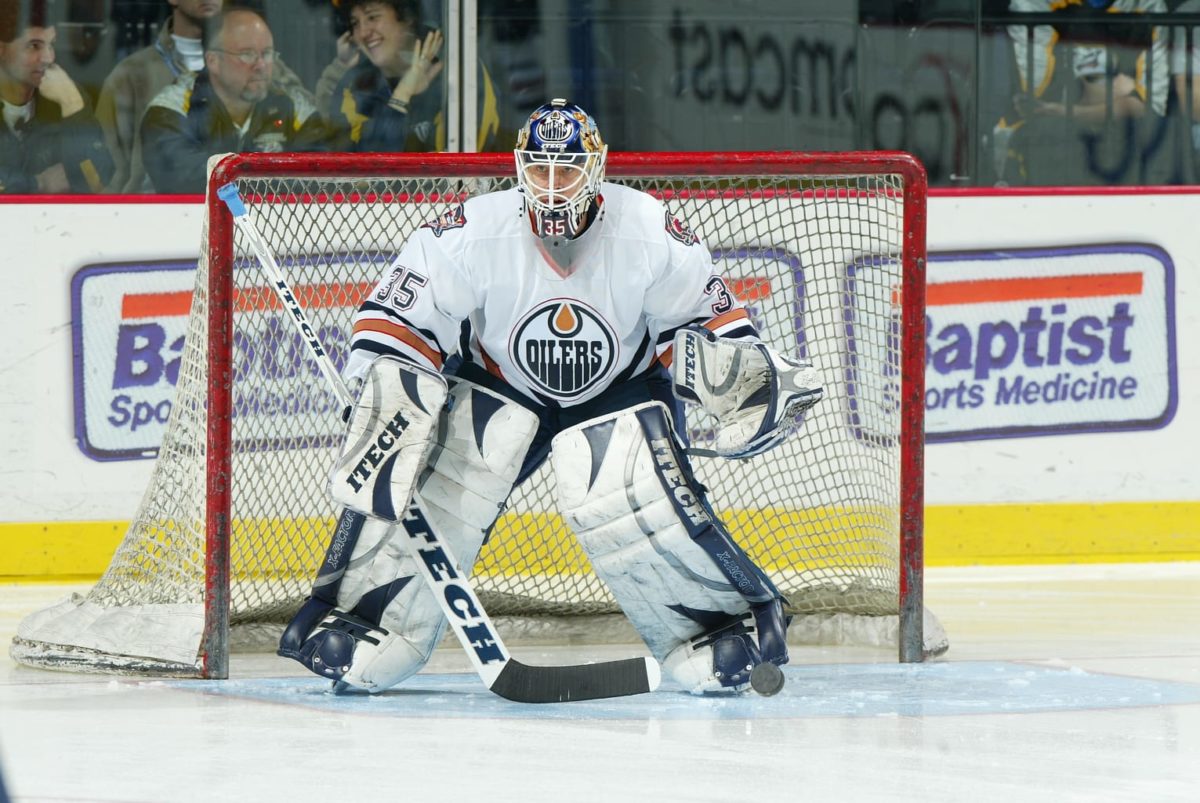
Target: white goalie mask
{"points": [[560, 164]]}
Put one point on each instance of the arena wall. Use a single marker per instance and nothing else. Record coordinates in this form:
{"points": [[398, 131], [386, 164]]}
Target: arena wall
{"points": [[1063, 403]]}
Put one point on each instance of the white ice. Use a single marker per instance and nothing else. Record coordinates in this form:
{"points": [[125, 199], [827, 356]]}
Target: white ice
{"points": [[1062, 683]]}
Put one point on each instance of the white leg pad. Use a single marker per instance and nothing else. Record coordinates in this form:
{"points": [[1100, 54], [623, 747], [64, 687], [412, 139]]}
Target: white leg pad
{"points": [[611, 492], [481, 444], [388, 439]]}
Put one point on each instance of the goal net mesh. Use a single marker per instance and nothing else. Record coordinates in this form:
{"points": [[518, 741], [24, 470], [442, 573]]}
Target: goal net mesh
{"points": [[816, 260]]}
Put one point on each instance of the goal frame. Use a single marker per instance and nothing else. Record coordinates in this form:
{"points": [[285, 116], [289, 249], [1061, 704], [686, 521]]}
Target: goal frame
{"points": [[214, 649]]}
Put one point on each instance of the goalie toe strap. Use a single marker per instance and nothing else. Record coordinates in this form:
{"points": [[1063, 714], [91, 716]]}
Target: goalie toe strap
{"points": [[353, 626]]}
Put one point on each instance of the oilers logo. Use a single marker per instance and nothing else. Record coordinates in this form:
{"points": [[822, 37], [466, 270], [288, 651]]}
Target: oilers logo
{"points": [[452, 219], [555, 128], [680, 231], [564, 348]]}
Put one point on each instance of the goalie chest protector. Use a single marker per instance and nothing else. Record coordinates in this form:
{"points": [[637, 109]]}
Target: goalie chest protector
{"points": [[560, 337]]}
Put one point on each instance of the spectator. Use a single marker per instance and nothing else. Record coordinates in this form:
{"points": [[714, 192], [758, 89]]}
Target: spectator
{"points": [[136, 80], [1184, 65], [1062, 120], [1094, 102], [1142, 64], [229, 106], [385, 94], [49, 140]]}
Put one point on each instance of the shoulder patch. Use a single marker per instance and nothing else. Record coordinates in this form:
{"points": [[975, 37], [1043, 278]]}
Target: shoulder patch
{"points": [[176, 97], [679, 230], [452, 219]]}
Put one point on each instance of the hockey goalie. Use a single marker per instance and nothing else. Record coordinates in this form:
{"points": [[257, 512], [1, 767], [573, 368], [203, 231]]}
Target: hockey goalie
{"points": [[565, 319]]}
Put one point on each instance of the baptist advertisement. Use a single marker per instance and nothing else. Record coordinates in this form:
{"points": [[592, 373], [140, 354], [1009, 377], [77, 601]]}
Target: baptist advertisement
{"points": [[1020, 342], [1060, 375], [1049, 341], [129, 323]]}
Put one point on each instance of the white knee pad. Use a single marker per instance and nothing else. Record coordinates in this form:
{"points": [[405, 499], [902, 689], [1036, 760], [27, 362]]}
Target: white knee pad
{"points": [[387, 622], [673, 569]]}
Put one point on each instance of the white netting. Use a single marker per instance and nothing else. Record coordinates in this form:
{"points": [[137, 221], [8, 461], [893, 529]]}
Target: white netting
{"points": [[815, 258]]}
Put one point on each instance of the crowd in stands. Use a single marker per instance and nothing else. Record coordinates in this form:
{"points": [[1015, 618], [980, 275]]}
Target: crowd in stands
{"points": [[213, 82], [1090, 95]]}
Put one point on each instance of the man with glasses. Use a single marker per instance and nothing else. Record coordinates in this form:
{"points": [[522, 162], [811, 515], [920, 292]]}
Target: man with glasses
{"points": [[177, 51], [229, 106]]}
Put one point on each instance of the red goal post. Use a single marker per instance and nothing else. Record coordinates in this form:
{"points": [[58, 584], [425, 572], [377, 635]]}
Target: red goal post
{"points": [[834, 244]]}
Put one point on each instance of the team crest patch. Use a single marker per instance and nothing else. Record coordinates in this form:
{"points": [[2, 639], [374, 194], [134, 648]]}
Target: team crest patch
{"points": [[452, 219], [564, 348], [555, 128], [680, 231]]}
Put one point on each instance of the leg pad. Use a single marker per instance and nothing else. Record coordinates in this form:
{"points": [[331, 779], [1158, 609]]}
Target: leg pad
{"points": [[691, 592], [385, 614]]}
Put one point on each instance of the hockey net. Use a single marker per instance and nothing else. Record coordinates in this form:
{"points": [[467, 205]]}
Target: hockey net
{"points": [[826, 251]]}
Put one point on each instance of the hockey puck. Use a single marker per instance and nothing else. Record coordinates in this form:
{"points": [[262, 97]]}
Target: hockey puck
{"points": [[766, 679]]}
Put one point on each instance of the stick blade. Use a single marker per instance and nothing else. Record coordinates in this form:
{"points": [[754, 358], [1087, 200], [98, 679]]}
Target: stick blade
{"points": [[560, 684]]}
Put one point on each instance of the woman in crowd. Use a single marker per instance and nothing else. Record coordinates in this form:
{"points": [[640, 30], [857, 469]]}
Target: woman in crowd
{"points": [[388, 84]]}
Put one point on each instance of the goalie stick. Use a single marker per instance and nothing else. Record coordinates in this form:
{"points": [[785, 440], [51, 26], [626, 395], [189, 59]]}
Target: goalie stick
{"points": [[500, 672]]}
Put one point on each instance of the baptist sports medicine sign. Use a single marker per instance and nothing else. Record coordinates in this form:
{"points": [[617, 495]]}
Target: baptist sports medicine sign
{"points": [[129, 323], [127, 343], [1019, 342], [1049, 341]]}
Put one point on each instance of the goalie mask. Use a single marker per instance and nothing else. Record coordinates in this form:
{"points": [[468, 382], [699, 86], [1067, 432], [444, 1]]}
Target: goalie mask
{"points": [[560, 164]]}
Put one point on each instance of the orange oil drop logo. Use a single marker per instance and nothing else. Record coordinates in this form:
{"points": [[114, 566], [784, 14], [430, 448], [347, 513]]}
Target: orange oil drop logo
{"points": [[565, 322]]}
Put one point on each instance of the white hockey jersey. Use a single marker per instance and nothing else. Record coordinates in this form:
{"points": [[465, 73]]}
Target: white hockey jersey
{"points": [[559, 337]]}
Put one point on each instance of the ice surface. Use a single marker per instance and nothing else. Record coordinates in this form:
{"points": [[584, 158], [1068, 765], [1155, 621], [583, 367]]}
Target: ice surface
{"points": [[1061, 684]]}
